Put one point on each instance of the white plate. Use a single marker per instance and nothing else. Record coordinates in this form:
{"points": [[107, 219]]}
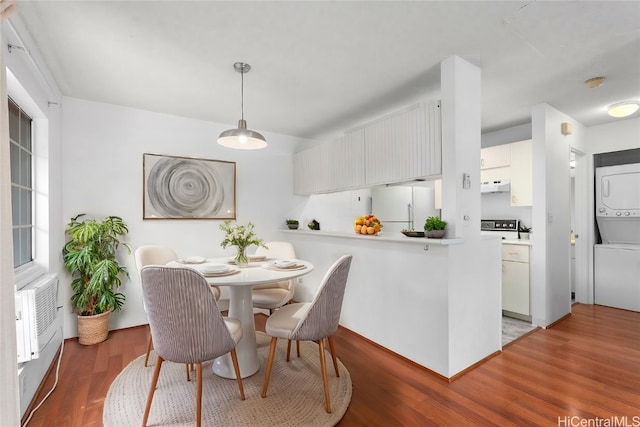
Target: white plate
{"points": [[215, 268], [284, 263], [193, 260]]}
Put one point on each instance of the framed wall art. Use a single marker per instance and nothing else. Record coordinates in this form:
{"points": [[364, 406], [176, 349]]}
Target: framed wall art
{"points": [[188, 188]]}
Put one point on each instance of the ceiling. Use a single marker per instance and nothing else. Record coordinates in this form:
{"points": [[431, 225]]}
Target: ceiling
{"points": [[319, 68]]}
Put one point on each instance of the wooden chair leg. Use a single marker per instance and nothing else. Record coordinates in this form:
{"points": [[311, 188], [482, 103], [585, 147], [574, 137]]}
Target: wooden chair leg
{"points": [[187, 368], [272, 352], [152, 389], [149, 347], [325, 381], [288, 349], [198, 394], [298, 348], [236, 368], [333, 355]]}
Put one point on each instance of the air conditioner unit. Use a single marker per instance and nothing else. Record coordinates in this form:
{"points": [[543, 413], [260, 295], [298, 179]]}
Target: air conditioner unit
{"points": [[36, 308]]}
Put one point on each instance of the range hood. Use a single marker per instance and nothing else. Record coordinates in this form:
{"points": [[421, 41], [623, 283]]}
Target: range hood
{"points": [[495, 186]]}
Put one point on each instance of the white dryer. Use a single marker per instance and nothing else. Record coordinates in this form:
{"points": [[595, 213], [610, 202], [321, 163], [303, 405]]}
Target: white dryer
{"points": [[617, 259]]}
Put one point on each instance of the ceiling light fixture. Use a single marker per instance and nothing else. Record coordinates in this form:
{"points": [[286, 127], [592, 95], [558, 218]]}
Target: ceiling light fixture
{"points": [[623, 109], [242, 138], [594, 82]]}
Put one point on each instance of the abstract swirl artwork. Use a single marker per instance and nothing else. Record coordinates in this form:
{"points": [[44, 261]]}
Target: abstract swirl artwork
{"points": [[188, 188]]}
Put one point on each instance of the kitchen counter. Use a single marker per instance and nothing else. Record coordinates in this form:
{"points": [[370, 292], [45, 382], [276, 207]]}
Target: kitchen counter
{"points": [[517, 242], [382, 237]]}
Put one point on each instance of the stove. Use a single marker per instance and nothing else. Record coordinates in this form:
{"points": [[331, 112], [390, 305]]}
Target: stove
{"points": [[505, 228]]}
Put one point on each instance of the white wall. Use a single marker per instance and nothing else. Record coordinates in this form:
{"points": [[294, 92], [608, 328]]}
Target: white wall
{"points": [[26, 85], [551, 258], [102, 175]]}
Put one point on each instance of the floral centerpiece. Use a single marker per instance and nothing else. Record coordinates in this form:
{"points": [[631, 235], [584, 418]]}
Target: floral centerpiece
{"points": [[240, 236]]}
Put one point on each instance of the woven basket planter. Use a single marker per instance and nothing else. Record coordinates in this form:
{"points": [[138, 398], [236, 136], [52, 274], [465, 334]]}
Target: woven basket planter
{"points": [[93, 329]]}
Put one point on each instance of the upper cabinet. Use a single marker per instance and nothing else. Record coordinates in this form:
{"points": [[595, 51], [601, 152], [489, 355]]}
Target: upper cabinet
{"points": [[495, 157], [310, 170], [346, 165], [513, 162], [402, 146]]}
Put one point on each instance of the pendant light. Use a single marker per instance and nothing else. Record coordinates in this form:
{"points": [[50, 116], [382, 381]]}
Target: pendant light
{"points": [[242, 138]]}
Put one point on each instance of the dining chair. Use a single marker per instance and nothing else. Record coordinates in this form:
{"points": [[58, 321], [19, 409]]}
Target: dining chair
{"points": [[313, 321], [158, 255], [187, 325], [274, 295]]}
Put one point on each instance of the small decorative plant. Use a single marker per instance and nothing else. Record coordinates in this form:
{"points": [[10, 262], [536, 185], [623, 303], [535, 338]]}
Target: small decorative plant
{"points": [[434, 227], [292, 223], [240, 236], [434, 223]]}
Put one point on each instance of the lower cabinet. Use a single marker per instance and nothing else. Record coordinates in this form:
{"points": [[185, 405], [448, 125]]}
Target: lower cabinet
{"points": [[515, 279]]}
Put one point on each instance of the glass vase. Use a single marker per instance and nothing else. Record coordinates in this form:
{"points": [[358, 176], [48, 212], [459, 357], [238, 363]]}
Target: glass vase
{"points": [[242, 260]]}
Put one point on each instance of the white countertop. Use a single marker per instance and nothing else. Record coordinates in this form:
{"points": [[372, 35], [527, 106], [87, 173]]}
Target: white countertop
{"points": [[382, 237], [517, 242]]}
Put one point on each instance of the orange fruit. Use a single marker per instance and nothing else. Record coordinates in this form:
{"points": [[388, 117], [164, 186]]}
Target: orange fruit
{"points": [[370, 230], [376, 228], [363, 230], [358, 227], [359, 221]]}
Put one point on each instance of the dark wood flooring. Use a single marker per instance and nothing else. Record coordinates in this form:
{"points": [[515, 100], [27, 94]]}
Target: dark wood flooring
{"points": [[586, 367]]}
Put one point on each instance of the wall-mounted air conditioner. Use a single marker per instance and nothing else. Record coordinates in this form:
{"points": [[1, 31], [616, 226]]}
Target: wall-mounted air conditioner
{"points": [[36, 307]]}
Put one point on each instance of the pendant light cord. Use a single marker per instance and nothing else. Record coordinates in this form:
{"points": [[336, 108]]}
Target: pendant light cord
{"points": [[242, 92]]}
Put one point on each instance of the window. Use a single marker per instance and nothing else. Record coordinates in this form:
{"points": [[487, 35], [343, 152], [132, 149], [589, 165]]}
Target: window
{"points": [[21, 184]]}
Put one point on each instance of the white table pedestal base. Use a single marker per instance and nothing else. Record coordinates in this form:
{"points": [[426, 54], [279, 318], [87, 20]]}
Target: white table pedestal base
{"points": [[241, 308]]}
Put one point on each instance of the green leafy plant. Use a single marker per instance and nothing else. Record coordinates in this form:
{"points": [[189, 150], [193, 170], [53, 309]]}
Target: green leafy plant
{"points": [[90, 257], [434, 223], [292, 221]]}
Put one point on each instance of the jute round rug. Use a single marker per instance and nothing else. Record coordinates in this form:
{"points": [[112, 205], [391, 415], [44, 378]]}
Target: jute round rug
{"points": [[295, 396]]}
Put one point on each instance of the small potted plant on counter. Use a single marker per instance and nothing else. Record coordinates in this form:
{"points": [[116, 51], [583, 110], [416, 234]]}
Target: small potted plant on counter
{"points": [[434, 227], [524, 232], [293, 224]]}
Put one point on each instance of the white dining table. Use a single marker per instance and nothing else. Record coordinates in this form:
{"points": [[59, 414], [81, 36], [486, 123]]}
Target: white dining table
{"points": [[240, 283]]}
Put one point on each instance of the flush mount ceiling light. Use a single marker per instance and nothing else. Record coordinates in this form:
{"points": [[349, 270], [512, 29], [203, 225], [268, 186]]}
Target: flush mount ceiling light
{"points": [[623, 109], [242, 138], [594, 82]]}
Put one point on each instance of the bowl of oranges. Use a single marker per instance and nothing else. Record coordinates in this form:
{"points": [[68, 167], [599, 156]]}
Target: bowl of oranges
{"points": [[368, 224]]}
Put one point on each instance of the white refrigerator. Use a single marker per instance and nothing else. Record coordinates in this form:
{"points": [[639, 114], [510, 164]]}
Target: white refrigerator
{"points": [[403, 207]]}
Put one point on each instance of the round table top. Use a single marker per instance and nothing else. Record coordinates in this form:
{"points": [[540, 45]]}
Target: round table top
{"points": [[256, 273]]}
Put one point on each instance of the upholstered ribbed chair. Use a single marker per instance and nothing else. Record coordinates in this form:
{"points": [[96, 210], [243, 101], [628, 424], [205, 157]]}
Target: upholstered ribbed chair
{"points": [[158, 255], [312, 321], [186, 324], [274, 295]]}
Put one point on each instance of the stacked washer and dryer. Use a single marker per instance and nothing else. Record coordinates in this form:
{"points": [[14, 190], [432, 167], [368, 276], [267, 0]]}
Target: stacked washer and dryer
{"points": [[617, 258]]}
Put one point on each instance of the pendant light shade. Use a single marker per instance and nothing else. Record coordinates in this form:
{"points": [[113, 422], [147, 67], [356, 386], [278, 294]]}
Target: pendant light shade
{"points": [[241, 137]]}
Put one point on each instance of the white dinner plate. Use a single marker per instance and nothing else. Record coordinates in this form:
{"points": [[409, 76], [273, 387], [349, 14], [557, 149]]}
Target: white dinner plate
{"points": [[285, 263], [215, 268], [192, 260]]}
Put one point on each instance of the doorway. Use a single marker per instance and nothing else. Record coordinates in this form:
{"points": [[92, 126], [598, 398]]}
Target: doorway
{"points": [[579, 229]]}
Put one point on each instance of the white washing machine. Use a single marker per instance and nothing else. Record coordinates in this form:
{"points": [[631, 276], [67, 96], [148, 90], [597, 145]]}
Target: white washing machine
{"points": [[617, 259]]}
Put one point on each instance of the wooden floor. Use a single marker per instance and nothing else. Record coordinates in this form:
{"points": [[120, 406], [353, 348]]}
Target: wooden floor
{"points": [[587, 366]]}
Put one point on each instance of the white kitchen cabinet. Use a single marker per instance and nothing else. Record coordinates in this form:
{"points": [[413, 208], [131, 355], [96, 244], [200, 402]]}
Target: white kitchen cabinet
{"points": [[346, 161], [310, 170], [394, 147], [402, 146], [515, 279], [521, 173], [495, 157]]}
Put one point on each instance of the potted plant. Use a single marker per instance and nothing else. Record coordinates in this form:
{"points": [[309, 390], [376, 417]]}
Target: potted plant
{"points": [[90, 257], [434, 227], [293, 224], [523, 232]]}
